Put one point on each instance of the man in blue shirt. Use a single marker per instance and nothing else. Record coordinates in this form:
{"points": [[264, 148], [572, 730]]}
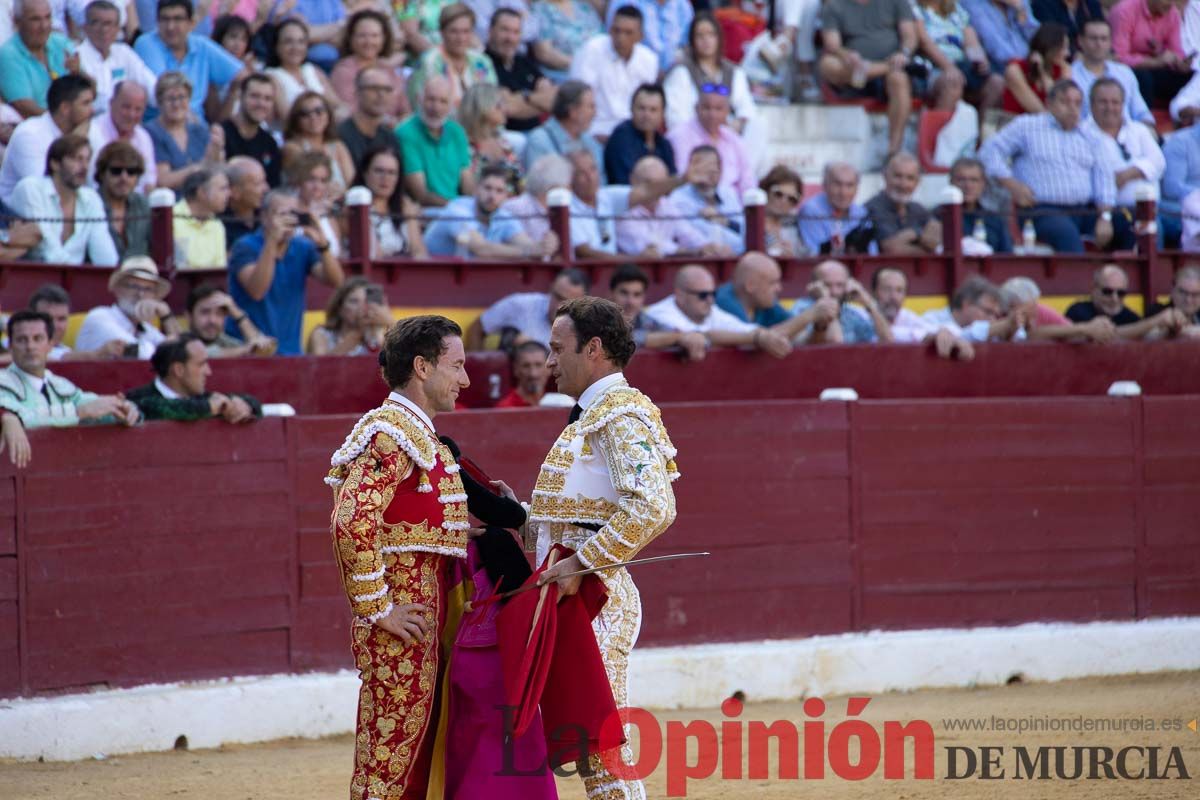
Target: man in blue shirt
{"points": [[269, 269], [828, 220], [470, 226], [1004, 27], [753, 294], [861, 324], [174, 47]]}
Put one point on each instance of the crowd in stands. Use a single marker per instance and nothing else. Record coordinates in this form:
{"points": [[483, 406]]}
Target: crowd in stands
{"points": [[461, 123]]}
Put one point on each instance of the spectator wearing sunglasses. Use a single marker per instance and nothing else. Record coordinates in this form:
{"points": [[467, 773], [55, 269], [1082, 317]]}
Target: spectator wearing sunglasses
{"points": [[1137, 160], [119, 166], [615, 65], [1110, 285], [710, 127], [123, 123]]}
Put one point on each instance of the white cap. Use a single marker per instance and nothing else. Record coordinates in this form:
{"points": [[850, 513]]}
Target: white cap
{"points": [[844, 393], [358, 196], [1124, 389], [952, 196], [162, 198]]}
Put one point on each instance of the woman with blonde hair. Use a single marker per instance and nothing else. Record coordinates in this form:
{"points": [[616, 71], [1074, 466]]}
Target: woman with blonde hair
{"points": [[454, 58], [482, 117], [310, 175], [310, 128]]}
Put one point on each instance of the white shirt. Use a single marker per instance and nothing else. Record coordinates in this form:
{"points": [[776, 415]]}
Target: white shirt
{"points": [[26, 152], [1188, 96], [1143, 153], [105, 323], [593, 392], [1189, 36], [122, 64], [34, 381], [910, 328], [977, 331], [37, 198], [668, 314], [683, 94], [166, 391], [612, 78], [597, 226], [413, 407], [102, 131]]}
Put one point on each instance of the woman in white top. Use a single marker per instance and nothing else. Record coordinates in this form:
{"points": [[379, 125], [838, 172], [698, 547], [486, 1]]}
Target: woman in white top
{"points": [[396, 229], [309, 174], [703, 63], [310, 129], [289, 67]]}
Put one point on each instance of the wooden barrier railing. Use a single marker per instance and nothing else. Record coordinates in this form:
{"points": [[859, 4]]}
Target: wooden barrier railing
{"points": [[177, 552]]}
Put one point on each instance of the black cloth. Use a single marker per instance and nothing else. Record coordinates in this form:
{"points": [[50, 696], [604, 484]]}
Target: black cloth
{"points": [[1085, 311], [153, 405], [626, 146], [236, 229], [358, 143], [262, 147], [576, 413], [521, 77]]}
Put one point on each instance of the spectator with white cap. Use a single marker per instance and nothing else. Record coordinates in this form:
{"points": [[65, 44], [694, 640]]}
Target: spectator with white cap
{"points": [[140, 318]]}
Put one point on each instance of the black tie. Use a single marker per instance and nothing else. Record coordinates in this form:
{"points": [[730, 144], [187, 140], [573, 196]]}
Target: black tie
{"points": [[46, 391], [576, 413]]}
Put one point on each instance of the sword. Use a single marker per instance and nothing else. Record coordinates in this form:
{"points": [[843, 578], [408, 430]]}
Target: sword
{"points": [[580, 573]]}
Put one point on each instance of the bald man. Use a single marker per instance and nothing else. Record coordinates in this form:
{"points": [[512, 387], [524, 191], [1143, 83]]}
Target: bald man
{"points": [[654, 226], [693, 308], [435, 154], [753, 296], [247, 188], [902, 226], [1110, 285], [827, 219], [863, 323]]}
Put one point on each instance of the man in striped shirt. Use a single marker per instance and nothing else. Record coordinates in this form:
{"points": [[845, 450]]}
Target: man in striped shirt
{"points": [[1058, 174]]}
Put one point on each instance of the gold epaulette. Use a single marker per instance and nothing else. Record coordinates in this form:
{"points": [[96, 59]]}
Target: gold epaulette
{"points": [[627, 401], [399, 425]]}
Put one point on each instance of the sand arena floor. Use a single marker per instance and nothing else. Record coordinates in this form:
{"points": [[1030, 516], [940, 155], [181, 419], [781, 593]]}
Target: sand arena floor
{"points": [[320, 769]]}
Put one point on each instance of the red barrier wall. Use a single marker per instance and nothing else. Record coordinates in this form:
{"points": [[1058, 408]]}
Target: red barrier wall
{"points": [[177, 551], [338, 385], [447, 282]]}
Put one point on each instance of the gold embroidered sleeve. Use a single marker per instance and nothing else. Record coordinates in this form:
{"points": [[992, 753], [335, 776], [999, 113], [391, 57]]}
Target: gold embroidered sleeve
{"points": [[645, 501], [370, 482]]}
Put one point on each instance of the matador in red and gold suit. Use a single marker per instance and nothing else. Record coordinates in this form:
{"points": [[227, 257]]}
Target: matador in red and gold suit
{"points": [[399, 525]]}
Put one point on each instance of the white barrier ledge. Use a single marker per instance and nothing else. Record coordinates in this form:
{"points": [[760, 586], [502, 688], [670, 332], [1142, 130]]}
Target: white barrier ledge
{"points": [[211, 713]]}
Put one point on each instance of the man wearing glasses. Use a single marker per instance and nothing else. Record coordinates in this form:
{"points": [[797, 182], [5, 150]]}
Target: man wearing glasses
{"points": [[370, 127], [173, 46], [1185, 299], [123, 122], [709, 127]]}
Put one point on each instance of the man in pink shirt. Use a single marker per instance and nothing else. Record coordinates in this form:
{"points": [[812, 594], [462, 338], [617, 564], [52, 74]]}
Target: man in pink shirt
{"points": [[709, 127], [657, 228], [1147, 36], [123, 121]]}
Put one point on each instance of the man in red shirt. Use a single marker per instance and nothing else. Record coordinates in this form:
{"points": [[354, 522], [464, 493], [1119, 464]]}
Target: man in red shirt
{"points": [[529, 376]]}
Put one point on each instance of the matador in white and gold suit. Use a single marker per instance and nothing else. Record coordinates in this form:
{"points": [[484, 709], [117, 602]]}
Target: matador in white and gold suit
{"points": [[604, 490]]}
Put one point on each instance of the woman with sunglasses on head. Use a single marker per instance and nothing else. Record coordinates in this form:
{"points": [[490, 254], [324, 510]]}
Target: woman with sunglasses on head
{"points": [[784, 190], [703, 63], [119, 167], [293, 73], [370, 40], [310, 128], [482, 117], [395, 223]]}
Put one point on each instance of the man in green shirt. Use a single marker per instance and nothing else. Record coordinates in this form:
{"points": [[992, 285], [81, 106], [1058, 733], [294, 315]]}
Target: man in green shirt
{"points": [[434, 149]]}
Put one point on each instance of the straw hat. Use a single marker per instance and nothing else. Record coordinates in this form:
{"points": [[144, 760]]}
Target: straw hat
{"points": [[139, 267]]}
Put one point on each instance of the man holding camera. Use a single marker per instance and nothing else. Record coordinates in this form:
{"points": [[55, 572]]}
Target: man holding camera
{"points": [[269, 269], [140, 318]]}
